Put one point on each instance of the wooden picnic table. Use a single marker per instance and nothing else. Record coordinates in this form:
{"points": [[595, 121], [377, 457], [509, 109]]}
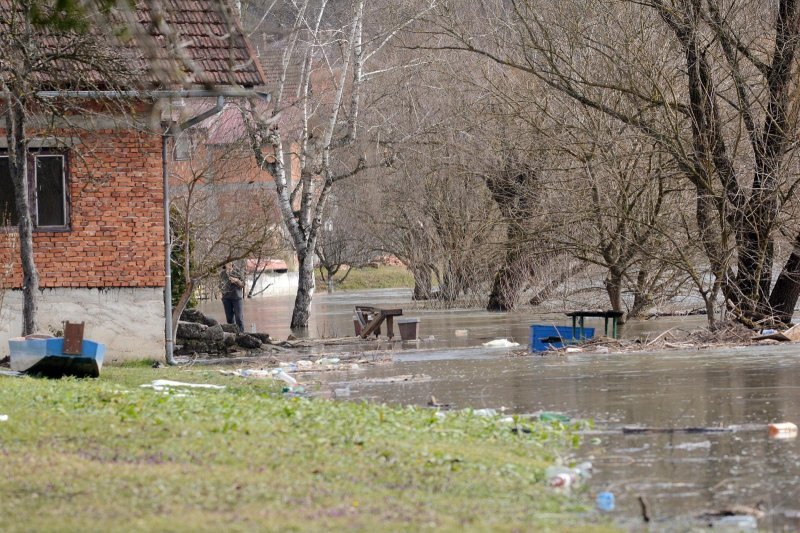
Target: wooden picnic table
{"points": [[581, 315], [371, 319]]}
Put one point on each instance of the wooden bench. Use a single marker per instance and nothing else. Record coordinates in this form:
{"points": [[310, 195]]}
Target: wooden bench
{"points": [[371, 318], [577, 329]]}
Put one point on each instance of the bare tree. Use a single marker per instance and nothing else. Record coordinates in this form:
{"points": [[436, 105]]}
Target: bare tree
{"points": [[341, 55], [220, 211], [42, 47], [698, 90]]}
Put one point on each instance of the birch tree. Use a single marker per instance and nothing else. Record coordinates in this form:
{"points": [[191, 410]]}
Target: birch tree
{"points": [[339, 62]]}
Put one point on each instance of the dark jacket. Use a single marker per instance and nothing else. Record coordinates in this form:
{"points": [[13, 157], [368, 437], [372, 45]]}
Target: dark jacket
{"points": [[230, 289]]}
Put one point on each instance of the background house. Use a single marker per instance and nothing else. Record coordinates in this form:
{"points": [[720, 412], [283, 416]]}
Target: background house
{"points": [[96, 180]]}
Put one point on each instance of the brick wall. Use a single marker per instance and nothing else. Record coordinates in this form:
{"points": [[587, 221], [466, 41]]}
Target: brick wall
{"points": [[116, 217]]}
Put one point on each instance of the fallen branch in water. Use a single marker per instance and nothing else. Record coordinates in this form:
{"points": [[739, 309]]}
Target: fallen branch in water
{"points": [[645, 508], [638, 430]]}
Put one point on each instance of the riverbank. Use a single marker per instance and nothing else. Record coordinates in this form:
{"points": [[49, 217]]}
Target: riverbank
{"points": [[109, 454]]}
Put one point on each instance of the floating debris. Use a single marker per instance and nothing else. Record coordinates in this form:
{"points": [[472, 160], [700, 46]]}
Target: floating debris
{"points": [[782, 430], [501, 343]]}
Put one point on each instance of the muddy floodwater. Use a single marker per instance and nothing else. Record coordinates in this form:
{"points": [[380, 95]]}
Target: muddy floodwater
{"points": [[681, 475]]}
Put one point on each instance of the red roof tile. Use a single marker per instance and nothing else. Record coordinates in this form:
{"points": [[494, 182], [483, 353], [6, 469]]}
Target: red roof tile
{"points": [[213, 47]]}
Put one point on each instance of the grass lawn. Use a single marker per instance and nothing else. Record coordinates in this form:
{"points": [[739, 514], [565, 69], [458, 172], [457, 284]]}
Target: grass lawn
{"points": [[106, 454], [382, 277]]}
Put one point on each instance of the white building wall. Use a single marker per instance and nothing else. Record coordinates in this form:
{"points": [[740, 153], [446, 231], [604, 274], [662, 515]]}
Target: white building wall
{"points": [[275, 284], [129, 321]]}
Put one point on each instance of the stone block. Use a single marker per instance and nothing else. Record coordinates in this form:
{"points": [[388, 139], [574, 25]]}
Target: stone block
{"points": [[191, 330]]}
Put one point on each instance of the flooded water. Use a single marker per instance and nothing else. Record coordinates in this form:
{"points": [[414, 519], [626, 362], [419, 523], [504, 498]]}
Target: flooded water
{"points": [[681, 475], [332, 316]]}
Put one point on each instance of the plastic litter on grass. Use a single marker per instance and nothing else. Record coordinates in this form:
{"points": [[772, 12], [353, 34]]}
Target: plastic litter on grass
{"points": [[165, 384]]}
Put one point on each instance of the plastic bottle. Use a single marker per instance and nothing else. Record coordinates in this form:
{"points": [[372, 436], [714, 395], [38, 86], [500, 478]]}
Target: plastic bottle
{"points": [[283, 376], [560, 477], [584, 470], [561, 481], [605, 501], [782, 429]]}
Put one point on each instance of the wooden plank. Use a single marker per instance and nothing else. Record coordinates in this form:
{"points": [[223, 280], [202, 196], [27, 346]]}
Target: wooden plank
{"points": [[73, 338], [372, 326]]}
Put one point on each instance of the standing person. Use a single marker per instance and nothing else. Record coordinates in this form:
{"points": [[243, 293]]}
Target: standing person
{"points": [[232, 293]]}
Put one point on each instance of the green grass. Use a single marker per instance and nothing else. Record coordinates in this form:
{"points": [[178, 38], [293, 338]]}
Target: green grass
{"points": [[382, 277], [106, 454]]}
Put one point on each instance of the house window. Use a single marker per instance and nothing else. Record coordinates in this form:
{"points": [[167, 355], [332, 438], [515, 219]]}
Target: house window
{"points": [[51, 193], [183, 147], [8, 206], [47, 186]]}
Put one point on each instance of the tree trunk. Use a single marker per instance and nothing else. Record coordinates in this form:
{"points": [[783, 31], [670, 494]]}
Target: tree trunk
{"points": [[614, 289], [18, 162], [305, 291], [642, 298], [510, 279], [508, 283], [188, 289], [786, 291], [422, 283]]}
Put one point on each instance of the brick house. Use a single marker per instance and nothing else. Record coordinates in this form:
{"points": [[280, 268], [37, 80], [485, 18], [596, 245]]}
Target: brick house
{"points": [[97, 195]]}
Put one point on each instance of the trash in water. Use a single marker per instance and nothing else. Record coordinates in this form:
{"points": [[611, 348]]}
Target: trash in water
{"points": [[3, 418], [768, 331], [328, 361], [484, 412], [736, 523], [283, 376], [693, 445], [584, 469], [294, 392], [546, 416], [163, 384], [605, 501], [399, 379], [304, 364], [500, 343], [573, 349], [247, 373], [461, 332], [782, 430]]}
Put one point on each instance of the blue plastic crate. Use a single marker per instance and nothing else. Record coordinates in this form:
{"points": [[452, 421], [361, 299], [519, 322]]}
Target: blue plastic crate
{"points": [[543, 337]]}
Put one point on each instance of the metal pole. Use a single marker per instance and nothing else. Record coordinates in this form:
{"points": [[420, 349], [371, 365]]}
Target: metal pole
{"points": [[167, 254]]}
